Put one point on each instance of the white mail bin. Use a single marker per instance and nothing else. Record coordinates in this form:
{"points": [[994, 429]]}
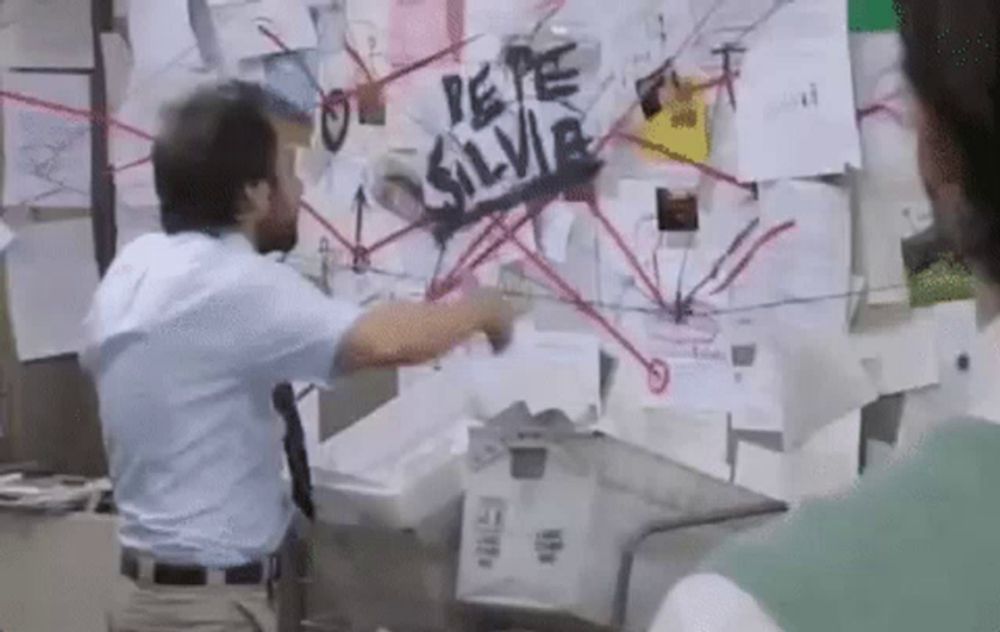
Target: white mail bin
{"points": [[548, 514], [398, 466], [542, 528]]}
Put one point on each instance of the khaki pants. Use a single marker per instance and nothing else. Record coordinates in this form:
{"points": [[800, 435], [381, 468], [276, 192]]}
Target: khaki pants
{"points": [[144, 607]]}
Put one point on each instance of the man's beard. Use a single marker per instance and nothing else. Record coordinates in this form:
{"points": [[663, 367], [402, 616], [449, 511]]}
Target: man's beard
{"points": [[276, 236]]}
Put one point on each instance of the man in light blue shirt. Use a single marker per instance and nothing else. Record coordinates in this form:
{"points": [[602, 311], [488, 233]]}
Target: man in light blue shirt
{"points": [[189, 333]]}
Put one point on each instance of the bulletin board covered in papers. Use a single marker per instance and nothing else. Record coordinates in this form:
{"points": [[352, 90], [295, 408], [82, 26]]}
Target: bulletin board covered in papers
{"points": [[699, 203]]}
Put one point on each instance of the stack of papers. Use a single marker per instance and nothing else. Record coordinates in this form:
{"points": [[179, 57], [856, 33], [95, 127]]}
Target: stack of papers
{"points": [[50, 494], [401, 464]]}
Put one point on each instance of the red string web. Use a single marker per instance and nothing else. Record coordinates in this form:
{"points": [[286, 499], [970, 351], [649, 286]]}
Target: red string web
{"points": [[500, 231]]}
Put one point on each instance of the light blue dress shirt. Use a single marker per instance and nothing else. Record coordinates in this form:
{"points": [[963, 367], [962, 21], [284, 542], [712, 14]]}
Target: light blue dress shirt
{"points": [[186, 338]]}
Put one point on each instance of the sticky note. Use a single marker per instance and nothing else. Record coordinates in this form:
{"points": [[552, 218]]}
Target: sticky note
{"points": [[681, 126]]}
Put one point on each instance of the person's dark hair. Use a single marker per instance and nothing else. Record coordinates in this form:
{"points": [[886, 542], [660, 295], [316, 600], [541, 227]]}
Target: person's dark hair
{"points": [[951, 61], [212, 144]]}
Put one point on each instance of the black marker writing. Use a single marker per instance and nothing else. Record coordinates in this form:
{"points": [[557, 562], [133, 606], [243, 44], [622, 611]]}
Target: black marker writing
{"points": [[467, 170]]}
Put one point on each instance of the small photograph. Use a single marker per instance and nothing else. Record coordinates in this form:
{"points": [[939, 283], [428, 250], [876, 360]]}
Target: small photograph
{"points": [[371, 106], [650, 90], [676, 214]]}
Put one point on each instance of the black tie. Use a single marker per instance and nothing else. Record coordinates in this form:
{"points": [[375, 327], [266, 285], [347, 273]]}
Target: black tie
{"points": [[295, 448]]}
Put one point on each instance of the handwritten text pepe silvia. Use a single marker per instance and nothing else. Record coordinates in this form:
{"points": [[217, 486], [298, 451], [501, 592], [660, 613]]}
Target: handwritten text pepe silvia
{"points": [[521, 167]]}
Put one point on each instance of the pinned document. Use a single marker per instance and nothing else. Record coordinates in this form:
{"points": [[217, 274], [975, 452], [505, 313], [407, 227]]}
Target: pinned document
{"points": [[49, 34], [898, 348], [254, 29], [51, 279], [545, 370], [796, 85], [827, 464], [47, 148]]}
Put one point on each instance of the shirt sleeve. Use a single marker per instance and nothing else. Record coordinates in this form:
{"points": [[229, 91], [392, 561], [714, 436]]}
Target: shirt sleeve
{"points": [[711, 603], [293, 330]]}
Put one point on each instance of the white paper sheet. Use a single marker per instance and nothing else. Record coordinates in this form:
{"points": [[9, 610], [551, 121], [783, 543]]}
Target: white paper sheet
{"points": [[721, 23], [795, 84], [822, 380], [779, 393], [632, 215], [888, 134], [367, 32], [826, 465], [809, 266], [161, 37], [701, 376], [205, 33], [46, 34], [898, 348], [554, 227], [696, 440], [425, 420], [238, 28], [636, 39], [759, 405], [331, 24], [48, 153], [51, 278], [704, 384], [546, 370], [955, 335], [690, 266]]}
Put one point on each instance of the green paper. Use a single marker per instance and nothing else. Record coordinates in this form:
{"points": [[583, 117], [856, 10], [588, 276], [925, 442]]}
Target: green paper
{"points": [[873, 15]]}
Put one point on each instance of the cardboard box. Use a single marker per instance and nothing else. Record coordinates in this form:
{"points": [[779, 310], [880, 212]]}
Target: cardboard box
{"points": [[526, 527], [549, 511]]}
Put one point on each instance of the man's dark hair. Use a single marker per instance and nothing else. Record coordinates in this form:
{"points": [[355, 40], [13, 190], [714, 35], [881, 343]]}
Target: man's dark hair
{"points": [[212, 144], [951, 60]]}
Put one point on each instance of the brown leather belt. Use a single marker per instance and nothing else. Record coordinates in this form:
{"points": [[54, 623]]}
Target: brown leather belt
{"points": [[256, 573]]}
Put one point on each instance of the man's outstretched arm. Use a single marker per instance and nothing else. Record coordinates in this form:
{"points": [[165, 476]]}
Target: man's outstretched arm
{"points": [[403, 334]]}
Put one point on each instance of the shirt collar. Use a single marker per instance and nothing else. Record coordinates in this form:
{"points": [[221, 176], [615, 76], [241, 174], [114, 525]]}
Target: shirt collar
{"points": [[236, 240]]}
